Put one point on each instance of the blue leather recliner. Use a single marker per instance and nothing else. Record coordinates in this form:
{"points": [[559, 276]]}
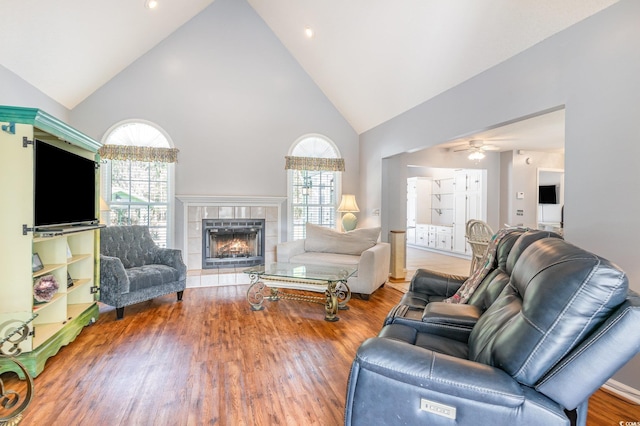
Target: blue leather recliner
{"points": [[562, 326]]}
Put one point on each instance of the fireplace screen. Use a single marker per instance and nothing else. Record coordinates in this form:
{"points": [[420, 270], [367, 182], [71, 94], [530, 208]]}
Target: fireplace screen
{"points": [[229, 243]]}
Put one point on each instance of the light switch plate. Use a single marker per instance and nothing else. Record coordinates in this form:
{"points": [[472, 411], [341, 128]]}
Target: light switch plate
{"points": [[520, 195]]}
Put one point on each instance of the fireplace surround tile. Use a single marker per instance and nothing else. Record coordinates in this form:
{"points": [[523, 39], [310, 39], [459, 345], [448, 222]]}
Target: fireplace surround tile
{"points": [[214, 207]]}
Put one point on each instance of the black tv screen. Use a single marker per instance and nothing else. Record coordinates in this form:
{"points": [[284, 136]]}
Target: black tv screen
{"points": [[547, 194], [64, 187]]}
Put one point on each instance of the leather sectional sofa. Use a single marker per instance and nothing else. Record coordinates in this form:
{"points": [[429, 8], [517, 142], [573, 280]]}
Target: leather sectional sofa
{"points": [[562, 322]]}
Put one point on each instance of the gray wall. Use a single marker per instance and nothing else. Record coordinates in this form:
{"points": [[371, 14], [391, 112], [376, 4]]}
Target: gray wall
{"points": [[14, 91], [232, 99], [593, 69]]}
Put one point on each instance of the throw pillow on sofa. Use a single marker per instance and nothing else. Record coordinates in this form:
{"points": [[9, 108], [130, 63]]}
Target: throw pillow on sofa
{"points": [[326, 240]]}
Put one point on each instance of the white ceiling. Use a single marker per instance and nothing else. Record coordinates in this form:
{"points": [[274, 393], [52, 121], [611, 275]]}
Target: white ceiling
{"points": [[374, 59], [544, 132]]}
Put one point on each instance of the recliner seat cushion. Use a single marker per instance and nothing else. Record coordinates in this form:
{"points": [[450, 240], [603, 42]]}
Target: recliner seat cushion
{"points": [[557, 295]]}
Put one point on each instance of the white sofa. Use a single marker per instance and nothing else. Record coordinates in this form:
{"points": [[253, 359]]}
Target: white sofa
{"points": [[360, 247]]}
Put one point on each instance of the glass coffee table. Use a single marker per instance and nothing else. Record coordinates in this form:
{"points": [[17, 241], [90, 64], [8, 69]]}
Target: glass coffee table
{"points": [[327, 279]]}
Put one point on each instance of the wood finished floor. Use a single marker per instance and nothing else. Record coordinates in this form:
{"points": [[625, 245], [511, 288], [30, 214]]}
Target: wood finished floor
{"points": [[211, 360]]}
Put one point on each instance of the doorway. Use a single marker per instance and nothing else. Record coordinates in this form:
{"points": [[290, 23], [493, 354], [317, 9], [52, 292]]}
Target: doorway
{"points": [[550, 212]]}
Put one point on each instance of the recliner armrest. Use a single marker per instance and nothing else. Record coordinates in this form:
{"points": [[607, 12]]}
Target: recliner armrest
{"points": [[414, 366], [451, 313], [451, 320], [393, 382], [434, 283]]}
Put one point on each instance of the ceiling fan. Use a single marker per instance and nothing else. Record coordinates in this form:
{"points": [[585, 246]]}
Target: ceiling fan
{"points": [[476, 149]]}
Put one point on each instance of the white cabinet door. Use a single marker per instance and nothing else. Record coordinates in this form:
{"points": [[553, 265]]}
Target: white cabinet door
{"points": [[459, 239], [473, 206], [474, 180], [422, 235], [411, 235], [411, 211], [460, 181], [460, 212], [16, 210], [443, 238]]}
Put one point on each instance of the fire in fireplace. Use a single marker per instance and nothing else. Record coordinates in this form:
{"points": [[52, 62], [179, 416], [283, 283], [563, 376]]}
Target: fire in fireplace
{"points": [[232, 242]]}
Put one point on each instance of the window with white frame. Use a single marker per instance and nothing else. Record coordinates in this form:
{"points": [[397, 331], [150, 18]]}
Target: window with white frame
{"points": [[314, 184], [138, 180]]}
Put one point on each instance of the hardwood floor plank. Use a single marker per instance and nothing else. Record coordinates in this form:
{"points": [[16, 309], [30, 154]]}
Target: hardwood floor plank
{"points": [[210, 360]]}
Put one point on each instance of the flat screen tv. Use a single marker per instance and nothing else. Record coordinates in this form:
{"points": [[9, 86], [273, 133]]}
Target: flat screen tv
{"points": [[64, 188], [547, 194]]}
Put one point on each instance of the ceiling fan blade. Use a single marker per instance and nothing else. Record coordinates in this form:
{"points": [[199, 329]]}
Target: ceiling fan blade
{"points": [[461, 148]]}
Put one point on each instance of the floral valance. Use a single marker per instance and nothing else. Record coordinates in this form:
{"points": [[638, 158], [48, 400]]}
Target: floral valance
{"points": [[315, 164], [139, 153]]}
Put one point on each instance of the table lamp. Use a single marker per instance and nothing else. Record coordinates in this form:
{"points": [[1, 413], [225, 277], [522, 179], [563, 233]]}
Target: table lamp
{"points": [[348, 206]]}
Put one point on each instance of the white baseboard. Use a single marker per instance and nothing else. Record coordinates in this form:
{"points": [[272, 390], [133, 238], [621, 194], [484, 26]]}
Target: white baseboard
{"points": [[627, 392]]}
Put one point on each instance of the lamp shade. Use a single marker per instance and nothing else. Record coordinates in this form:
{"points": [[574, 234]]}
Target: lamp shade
{"points": [[348, 204]]}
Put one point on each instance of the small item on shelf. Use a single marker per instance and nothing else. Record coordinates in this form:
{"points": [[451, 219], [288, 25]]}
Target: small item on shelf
{"points": [[44, 288], [36, 263], [69, 280], [69, 255]]}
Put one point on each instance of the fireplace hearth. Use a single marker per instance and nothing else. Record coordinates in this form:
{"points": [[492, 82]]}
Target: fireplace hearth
{"points": [[227, 243]]}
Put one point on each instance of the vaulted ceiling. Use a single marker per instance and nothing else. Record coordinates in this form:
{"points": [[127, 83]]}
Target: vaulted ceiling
{"points": [[374, 59]]}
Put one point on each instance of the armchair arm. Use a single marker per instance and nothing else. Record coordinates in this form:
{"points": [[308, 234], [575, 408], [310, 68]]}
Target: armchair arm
{"points": [[173, 258], [374, 265], [285, 251], [433, 283], [113, 279]]}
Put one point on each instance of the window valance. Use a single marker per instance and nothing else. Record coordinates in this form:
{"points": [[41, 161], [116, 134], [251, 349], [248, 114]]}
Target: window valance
{"points": [[139, 153], [314, 163]]}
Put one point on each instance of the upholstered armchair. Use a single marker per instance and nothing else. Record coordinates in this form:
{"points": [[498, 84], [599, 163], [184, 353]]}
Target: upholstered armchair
{"points": [[560, 328], [358, 248], [134, 269]]}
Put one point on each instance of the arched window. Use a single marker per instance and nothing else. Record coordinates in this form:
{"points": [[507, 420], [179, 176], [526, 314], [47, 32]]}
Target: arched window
{"points": [[138, 180], [314, 183]]}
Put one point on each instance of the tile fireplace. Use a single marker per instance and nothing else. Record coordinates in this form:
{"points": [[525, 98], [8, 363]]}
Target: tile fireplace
{"points": [[201, 211], [232, 242]]}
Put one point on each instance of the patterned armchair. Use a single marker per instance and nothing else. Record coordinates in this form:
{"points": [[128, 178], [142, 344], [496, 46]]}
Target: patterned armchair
{"points": [[134, 269]]}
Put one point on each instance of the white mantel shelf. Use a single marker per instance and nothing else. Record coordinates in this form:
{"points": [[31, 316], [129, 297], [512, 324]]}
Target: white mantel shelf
{"points": [[230, 200]]}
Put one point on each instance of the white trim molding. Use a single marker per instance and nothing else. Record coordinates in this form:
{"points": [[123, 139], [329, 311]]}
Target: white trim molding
{"points": [[230, 200]]}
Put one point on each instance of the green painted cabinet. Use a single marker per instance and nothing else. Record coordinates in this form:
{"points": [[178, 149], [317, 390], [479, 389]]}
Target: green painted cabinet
{"points": [[55, 323]]}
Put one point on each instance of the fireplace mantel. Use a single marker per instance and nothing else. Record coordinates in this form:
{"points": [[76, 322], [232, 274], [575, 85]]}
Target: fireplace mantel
{"points": [[231, 200]]}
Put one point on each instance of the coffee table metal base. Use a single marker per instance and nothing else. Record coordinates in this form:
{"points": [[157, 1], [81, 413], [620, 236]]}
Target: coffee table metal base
{"points": [[336, 294]]}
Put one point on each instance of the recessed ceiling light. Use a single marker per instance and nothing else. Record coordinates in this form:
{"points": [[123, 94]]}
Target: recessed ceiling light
{"points": [[308, 31], [151, 4]]}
